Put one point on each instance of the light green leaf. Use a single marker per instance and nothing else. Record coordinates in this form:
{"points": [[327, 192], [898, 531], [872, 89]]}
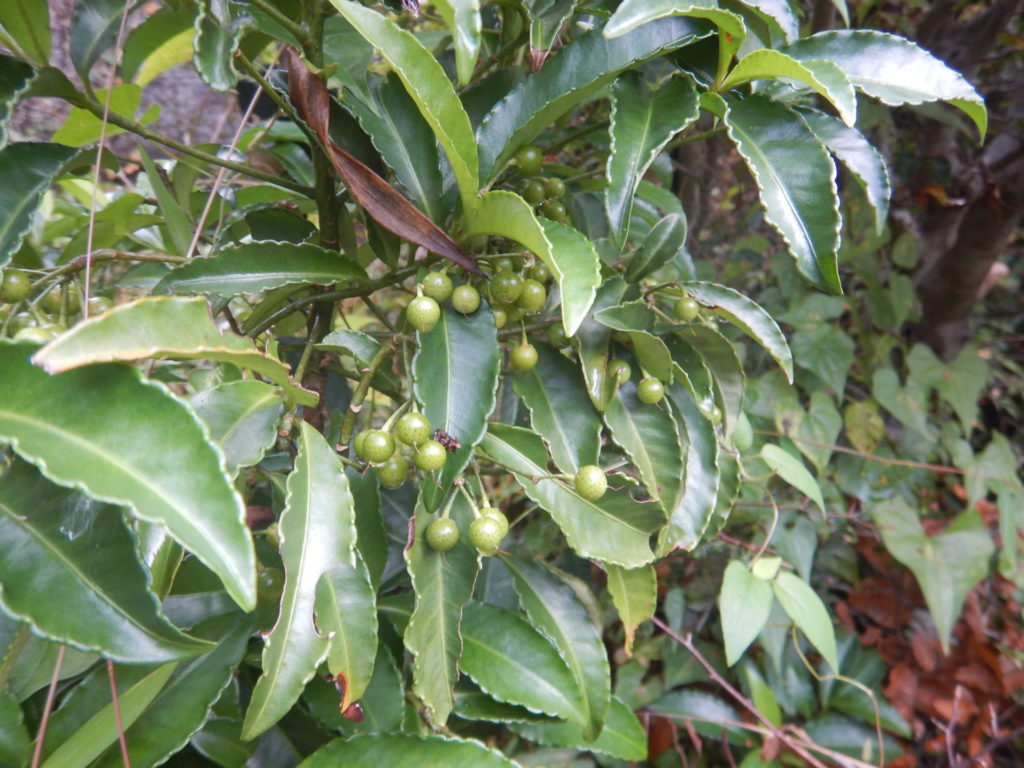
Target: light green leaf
{"points": [[317, 532], [15, 78], [642, 122], [722, 362], [958, 382], [215, 42], [796, 179], [28, 169], [553, 608], [546, 20], [94, 25], [591, 343], [622, 737], [83, 127], [514, 663], [808, 612], [634, 592], [892, 69], [361, 346], [346, 614], [179, 328], [779, 15], [744, 604], [792, 470], [463, 18], [908, 404], [260, 266], [179, 227], [858, 155], [615, 528], [863, 425], [559, 411], [25, 29], [429, 86], [819, 430], [947, 566], [827, 352], [165, 36], [568, 254], [103, 429], [241, 417], [405, 750], [443, 583]]}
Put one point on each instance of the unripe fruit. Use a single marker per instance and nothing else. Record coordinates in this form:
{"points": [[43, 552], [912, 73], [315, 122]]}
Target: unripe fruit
{"points": [[412, 428], [743, 433], [532, 191], [500, 318], [556, 336], [650, 390], [554, 210], [504, 264], [423, 313], [506, 287], [430, 455], [34, 334], [376, 446], [485, 534], [437, 286], [465, 299], [540, 272], [532, 298], [716, 416], [591, 482], [50, 302], [529, 159], [442, 534], [496, 514], [686, 309], [523, 357], [620, 371], [392, 473], [554, 188], [269, 585], [99, 305], [513, 313], [15, 286]]}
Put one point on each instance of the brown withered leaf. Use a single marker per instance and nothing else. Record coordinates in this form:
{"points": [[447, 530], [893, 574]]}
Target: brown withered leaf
{"points": [[378, 198]]}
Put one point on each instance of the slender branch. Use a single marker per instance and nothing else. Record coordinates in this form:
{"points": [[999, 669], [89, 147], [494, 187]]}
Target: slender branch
{"points": [[79, 262], [296, 30], [348, 425], [51, 696], [868, 456], [117, 715]]}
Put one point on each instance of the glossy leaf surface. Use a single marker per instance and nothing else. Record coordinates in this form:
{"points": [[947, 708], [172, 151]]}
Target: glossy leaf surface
{"points": [[622, 737], [214, 44], [406, 750], [463, 19], [242, 418], [15, 77], [26, 25]]}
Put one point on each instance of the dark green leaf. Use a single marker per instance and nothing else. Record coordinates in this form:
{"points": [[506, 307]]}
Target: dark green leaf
{"points": [[959, 382], [404, 750], [463, 19], [362, 347], [727, 376], [242, 419], [14, 739], [546, 20], [591, 342], [178, 225], [104, 429], [819, 430], [28, 659], [661, 244], [15, 77], [827, 352], [479, 706], [215, 43], [710, 714], [25, 29], [94, 25], [622, 737]]}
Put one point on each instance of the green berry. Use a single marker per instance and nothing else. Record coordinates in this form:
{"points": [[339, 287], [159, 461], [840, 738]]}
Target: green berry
{"points": [[430, 455], [99, 304], [529, 159], [15, 286], [500, 318], [376, 446], [554, 210], [513, 313], [485, 534], [50, 302], [412, 428], [620, 371], [465, 299], [532, 191], [686, 309], [556, 336], [591, 482], [523, 357], [423, 313], [504, 264], [392, 473], [74, 301], [506, 287], [21, 320], [532, 298], [442, 534], [650, 390], [437, 286], [498, 515], [269, 585], [554, 188], [540, 272], [716, 416], [743, 433], [34, 334]]}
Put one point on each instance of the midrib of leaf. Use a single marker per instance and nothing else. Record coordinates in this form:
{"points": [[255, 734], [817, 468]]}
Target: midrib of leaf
{"points": [[558, 422]]}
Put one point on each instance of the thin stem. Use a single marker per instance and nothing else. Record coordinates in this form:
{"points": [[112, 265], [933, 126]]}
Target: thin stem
{"points": [[312, 340], [51, 696], [869, 456], [359, 396], [107, 254], [275, 97], [691, 139], [297, 30], [117, 715], [771, 530]]}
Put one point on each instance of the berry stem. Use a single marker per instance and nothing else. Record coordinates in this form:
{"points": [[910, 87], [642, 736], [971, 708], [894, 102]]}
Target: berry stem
{"points": [[359, 396]]}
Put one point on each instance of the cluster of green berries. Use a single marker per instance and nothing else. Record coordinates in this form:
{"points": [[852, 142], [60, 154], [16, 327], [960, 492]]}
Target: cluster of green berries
{"points": [[545, 194], [486, 532], [382, 449], [38, 323]]}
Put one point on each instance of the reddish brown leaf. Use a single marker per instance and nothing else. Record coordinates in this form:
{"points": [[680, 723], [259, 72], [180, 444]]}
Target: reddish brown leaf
{"points": [[661, 736], [378, 198]]}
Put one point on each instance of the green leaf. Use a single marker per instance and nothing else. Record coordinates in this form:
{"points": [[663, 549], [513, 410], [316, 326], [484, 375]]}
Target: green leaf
{"points": [[514, 663], [692, 510], [858, 155], [405, 750], [35, 658], [94, 26], [947, 566], [559, 411], [241, 417], [429, 86], [822, 76], [863, 425], [649, 436], [178, 225], [727, 375], [346, 614], [666, 239], [622, 737], [443, 583], [746, 315], [83, 127], [580, 70], [892, 69], [709, 715], [477, 705], [635, 594], [546, 20], [183, 704], [28, 170], [908, 404], [744, 604], [179, 328], [591, 343], [25, 29], [104, 429], [553, 608], [642, 122], [260, 266], [361, 346], [463, 18], [56, 542], [317, 532], [778, 14], [453, 401], [796, 179], [147, 47], [959, 382], [89, 740], [792, 470], [15, 78], [808, 612], [827, 352], [615, 528], [215, 42], [14, 739], [819, 430]]}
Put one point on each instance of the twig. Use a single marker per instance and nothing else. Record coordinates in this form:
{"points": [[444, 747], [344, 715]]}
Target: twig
{"points": [[868, 456], [117, 715], [51, 695], [347, 426]]}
